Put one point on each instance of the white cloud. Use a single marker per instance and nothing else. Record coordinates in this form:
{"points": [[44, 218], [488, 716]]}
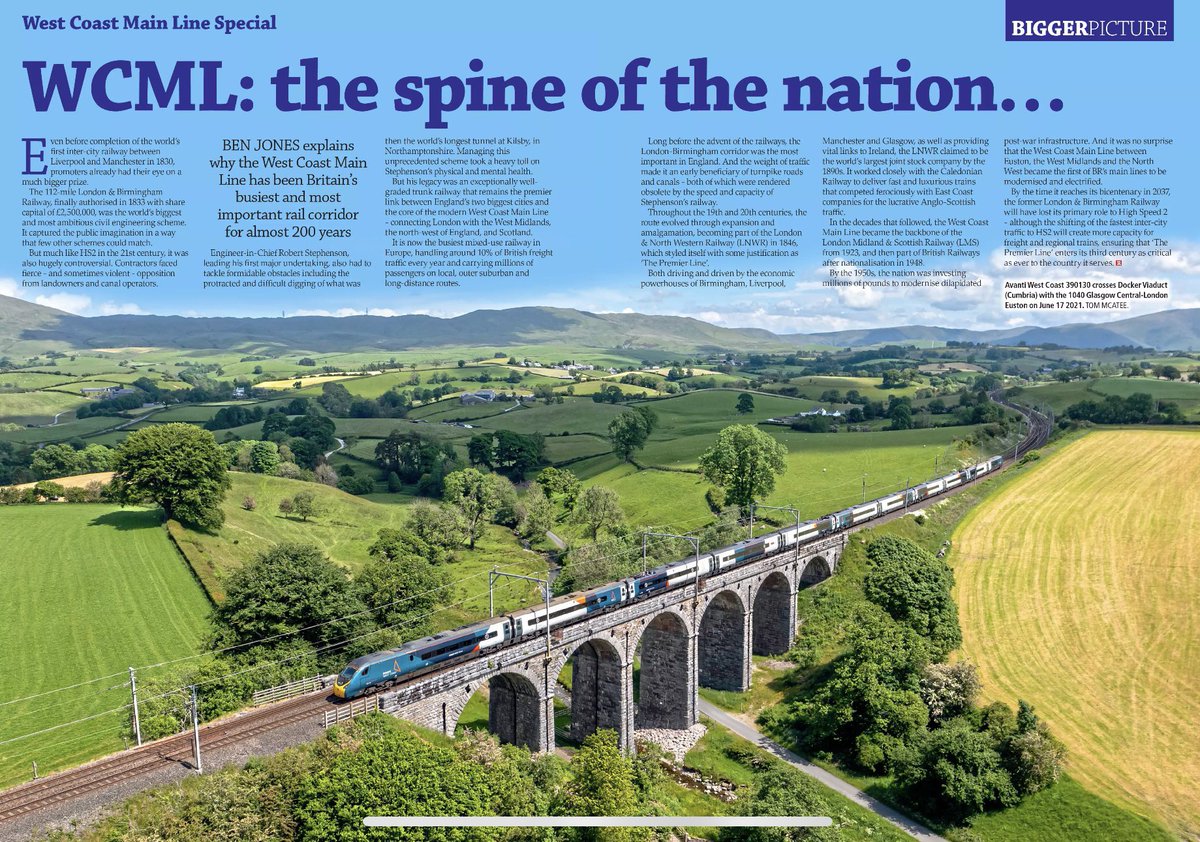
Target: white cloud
{"points": [[113, 308], [79, 305], [71, 303], [1184, 259], [859, 297]]}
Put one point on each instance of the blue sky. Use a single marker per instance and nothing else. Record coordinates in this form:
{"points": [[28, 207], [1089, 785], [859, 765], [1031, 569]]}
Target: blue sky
{"points": [[591, 158]]}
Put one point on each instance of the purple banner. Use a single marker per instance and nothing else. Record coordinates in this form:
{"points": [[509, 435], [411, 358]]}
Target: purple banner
{"points": [[1089, 20]]}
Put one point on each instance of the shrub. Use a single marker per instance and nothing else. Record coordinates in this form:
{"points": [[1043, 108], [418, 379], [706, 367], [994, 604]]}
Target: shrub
{"points": [[914, 588]]}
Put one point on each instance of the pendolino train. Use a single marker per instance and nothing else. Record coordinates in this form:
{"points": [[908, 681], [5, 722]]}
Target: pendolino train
{"points": [[380, 670]]}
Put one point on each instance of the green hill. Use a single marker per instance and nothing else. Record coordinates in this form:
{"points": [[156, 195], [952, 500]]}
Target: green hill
{"points": [[19, 318], [30, 327], [344, 528], [481, 328]]}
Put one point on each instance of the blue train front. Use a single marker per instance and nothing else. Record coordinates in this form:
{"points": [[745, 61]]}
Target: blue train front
{"points": [[380, 670]]}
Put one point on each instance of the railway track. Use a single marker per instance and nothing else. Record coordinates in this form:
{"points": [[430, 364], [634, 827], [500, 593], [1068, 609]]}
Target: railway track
{"points": [[176, 750], [1040, 425], [152, 757]]}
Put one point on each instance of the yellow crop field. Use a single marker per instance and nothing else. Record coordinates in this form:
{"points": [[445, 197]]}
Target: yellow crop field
{"points": [[315, 380], [1079, 589]]}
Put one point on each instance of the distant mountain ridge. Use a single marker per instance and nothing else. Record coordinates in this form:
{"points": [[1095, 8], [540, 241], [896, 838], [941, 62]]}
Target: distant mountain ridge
{"points": [[1177, 330], [29, 325], [21, 321]]}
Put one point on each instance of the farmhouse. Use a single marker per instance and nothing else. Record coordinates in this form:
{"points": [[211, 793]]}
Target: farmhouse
{"points": [[482, 396], [820, 410], [104, 392]]}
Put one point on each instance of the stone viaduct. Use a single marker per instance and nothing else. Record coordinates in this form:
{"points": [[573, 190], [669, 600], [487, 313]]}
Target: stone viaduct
{"points": [[702, 634]]}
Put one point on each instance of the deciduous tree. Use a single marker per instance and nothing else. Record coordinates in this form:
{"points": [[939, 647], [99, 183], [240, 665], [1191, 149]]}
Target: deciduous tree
{"points": [[442, 528], [290, 588], [474, 495], [400, 584], [178, 466], [602, 785], [915, 589], [599, 508], [628, 433], [744, 462]]}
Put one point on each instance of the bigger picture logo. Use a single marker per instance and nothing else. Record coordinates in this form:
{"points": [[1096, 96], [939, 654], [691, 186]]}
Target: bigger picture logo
{"points": [[1089, 20]]}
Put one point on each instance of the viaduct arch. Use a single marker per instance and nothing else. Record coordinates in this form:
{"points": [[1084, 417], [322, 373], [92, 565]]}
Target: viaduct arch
{"points": [[701, 634]]}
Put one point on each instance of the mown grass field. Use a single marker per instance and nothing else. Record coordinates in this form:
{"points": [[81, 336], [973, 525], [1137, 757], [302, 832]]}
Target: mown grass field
{"points": [[88, 590], [1078, 586], [309, 381], [33, 380], [77, 481], [811, 386], [36, 407], [573, 415], [1067, 812], [67, 427]]}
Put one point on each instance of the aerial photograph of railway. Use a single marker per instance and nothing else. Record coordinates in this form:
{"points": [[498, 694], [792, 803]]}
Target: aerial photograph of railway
{"points": [[265, 578]]}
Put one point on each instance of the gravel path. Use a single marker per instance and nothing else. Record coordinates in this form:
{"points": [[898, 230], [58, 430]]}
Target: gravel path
{"points": [[749, 732]]}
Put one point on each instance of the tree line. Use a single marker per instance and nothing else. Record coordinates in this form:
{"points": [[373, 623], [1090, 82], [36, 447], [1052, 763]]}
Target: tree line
{"points": [[890, 704]]}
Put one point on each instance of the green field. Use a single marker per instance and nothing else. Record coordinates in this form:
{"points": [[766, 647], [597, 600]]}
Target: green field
{"points": [[36, 407], [591, 387], [452, 409], [825, 473], [89, 590], [1059, 396], [33, 380], [66, 428], [84, 366], [688, 423], [373, 387], [379, 428], [1187, 395], [811, 387], [1078, 586], [568, 448], [193, 413], [344, 528], [825, 470], [573, 415]]}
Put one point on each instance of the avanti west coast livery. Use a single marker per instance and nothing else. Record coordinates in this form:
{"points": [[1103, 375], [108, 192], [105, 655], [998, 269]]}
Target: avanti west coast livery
{"points": [[380, 670]]}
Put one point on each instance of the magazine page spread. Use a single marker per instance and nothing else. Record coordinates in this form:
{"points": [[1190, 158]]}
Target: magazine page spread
{"points": [[606, 423]]}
